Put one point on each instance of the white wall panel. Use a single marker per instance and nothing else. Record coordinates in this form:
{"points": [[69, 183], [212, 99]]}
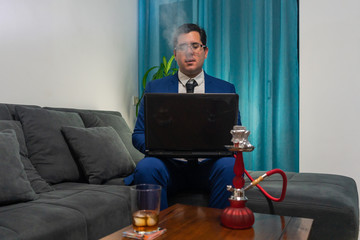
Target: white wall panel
{"points": [[330, 87], [69, 53]]}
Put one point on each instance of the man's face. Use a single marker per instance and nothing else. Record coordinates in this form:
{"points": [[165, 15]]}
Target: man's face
{"points": [[190, 61]]}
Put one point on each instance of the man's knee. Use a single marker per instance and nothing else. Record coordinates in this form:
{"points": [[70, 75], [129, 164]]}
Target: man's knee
{"points": [[150, 163], [224, 164], [223, 171], [150, 169]]}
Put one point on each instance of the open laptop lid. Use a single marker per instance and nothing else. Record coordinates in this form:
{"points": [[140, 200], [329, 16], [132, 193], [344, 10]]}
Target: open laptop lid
{"points": [[189, 125]]}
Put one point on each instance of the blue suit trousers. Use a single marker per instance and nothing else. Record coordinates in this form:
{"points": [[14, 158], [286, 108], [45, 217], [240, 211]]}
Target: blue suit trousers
{"points": [[211, 175]]}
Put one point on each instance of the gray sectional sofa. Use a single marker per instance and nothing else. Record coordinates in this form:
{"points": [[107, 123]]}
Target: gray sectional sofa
{"points": [[47, 194], [62, 170]]}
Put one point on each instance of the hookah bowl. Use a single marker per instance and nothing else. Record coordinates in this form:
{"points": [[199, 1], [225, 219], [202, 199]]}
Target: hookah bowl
{"points": [[237, 215]]}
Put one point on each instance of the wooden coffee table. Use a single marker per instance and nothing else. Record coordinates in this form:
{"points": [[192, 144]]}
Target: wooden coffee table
{"points": [[192, 222]]}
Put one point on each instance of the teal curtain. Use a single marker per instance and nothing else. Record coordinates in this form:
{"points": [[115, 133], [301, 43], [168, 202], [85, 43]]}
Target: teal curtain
{"points": [[252, 44]]}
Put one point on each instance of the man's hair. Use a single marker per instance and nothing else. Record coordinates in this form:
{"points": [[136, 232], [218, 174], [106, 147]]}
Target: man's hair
{"points": [[189, 27]]}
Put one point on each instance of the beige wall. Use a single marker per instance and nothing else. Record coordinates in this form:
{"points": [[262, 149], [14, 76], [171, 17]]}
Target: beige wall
{"points": [[69, 53], [330, 87]]}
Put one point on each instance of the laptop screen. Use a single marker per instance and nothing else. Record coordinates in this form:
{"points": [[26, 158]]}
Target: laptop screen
{"points": [[177, 123]]}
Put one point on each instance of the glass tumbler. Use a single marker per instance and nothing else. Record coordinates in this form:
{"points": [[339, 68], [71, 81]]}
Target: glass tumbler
{"points": [[145, 207]]}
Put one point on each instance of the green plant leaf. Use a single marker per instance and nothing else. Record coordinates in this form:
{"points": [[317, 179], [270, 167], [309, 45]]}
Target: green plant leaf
{"points": [[167, 68], [146, 75], [165, 63], [174, 70], [156, 74]]}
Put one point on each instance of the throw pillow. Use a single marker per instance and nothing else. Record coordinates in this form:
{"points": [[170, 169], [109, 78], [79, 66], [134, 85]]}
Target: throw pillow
{"points": [[100, 151], [14, 185], [120, 126], [47, 148], [37, 183]]}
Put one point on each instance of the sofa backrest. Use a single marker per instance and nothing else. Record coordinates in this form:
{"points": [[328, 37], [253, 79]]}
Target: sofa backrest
{"points": [[102, 118], [52, 119]]}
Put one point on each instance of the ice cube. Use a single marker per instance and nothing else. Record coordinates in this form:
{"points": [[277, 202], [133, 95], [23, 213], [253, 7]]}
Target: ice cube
{"points": [[140, 222], [151, 221]]}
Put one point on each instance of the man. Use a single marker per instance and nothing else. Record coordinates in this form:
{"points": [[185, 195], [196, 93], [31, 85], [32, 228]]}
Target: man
{"points": [[174, 175]]}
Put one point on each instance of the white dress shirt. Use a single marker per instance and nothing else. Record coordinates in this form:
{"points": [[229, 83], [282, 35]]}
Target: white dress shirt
{"points": [[200, 88]]}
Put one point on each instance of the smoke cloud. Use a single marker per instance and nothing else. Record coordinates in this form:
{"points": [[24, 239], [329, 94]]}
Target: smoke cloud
{"points": [[172, 15]]}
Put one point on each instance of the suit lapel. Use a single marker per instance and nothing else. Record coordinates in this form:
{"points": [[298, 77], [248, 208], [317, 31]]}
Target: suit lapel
{"points": [[173, 86], [209, 88]]}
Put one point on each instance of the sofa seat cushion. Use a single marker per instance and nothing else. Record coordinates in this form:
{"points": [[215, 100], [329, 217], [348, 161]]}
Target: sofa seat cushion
{"points": [[116, 181], [47, 148], [106, 209], [41, 221], [37, 182], [14, 184], [8, 234], [75, 211], [331, 200]]}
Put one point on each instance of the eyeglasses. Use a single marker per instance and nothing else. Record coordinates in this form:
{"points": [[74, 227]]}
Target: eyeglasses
{"points": [[196, 47]]}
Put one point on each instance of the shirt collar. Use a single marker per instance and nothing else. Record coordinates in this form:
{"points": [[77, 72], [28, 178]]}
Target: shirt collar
{"points": [[183, 78]]}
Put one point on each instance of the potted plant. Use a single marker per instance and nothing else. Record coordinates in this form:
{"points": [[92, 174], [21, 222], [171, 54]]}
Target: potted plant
{"points": [[163, 70]]}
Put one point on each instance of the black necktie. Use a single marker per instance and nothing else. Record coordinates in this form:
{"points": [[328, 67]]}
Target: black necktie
{"points": [[190, 85]]}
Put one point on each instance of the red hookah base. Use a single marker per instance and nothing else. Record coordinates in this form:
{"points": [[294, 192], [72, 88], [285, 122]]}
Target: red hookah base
{"points": [[237, 216]]}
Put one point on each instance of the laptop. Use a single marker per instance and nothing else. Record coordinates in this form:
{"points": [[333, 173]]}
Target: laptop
{"points": [[189, 125]]}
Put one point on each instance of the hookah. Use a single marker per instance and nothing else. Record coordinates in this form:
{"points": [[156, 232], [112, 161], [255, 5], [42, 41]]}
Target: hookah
{"points": [[237, 215]]}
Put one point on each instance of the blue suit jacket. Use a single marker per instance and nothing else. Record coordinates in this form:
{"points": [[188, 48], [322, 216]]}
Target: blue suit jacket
{"points": [[170, 84]]}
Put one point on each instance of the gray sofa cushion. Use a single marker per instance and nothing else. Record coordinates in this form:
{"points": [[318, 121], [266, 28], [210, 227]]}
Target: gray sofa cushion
{"points": [[116, 181], [90, 119], [12, 110], [100, 152], [37, 182], [4, 112], [100, 118], [105, 208], [39, 220], [14, 185], [16, 126], [47, 148], [118, 123], [74, 211], [8, 234]]}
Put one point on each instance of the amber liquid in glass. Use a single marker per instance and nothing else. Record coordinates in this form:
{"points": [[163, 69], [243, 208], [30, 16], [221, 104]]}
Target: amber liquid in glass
{"points": [[145, 221]]}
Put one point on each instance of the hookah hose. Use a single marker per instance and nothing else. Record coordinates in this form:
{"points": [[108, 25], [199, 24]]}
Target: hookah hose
{"points": [[269, 173]]}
